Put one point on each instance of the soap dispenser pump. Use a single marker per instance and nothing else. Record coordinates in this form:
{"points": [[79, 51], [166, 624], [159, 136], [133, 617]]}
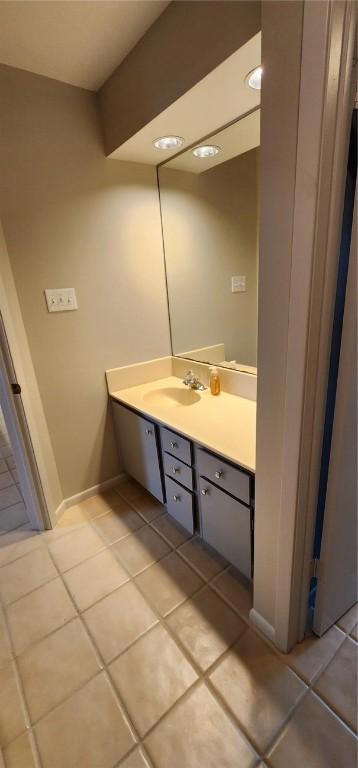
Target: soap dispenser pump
{"points": [[214, 380]]}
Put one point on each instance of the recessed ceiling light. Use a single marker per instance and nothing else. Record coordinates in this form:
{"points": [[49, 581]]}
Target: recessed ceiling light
{"points": [[168, 142], [253, 78], [207, 150]]}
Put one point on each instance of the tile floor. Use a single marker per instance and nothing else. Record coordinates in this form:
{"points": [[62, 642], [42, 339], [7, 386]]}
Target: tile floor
{"points": [[12, 507], [124, 642]]}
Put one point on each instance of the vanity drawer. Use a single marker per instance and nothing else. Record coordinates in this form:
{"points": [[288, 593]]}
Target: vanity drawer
{"points": [[221, 473], [226, 526], [180, 504], [176, 445], [175, 469]]}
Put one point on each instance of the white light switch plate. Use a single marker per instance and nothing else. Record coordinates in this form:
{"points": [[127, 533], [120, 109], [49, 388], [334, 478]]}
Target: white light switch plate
{"points": [[238, 284], [61, 299]]}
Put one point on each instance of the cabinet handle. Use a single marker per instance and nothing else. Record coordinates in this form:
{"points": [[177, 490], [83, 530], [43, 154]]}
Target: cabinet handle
{"points": [[175, 470], [148, 431], [176, 498], [174, 445], [204, 491], [218, 474]]}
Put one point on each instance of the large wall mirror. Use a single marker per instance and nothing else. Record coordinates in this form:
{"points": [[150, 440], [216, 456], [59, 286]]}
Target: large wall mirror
{"points": [[209, 203]]}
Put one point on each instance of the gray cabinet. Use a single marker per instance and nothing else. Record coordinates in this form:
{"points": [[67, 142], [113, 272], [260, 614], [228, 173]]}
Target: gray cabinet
{"points": [[226, 525], [139, 448], [204, 493]]}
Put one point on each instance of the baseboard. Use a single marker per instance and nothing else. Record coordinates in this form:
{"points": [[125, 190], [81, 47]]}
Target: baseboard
{"points": [[77, 497], [262, 625]]}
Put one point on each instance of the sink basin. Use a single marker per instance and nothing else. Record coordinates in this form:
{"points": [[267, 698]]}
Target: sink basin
{"points": [[174, 396]]}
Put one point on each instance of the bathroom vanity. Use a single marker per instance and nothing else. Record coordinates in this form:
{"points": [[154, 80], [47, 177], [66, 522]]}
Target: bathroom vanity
{"points": [[181, 446]]}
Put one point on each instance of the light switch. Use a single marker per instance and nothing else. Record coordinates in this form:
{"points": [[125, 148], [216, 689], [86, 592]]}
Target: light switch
{"points": [[238, 284], [61, 299]]}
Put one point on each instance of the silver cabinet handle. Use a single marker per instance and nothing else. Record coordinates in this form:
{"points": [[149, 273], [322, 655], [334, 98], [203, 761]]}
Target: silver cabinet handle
{"points": [[175, 470], [204, 491], [148, 431], [218, 474], [174, 445], [176, 498]]}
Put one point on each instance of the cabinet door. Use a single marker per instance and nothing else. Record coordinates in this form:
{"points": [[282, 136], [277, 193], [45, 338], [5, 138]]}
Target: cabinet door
{"points": [[225, 525], [138, 443]]}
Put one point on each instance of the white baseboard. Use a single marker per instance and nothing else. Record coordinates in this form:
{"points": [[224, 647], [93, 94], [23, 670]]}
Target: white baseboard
{"points": [[77, 497], [262, 625]]}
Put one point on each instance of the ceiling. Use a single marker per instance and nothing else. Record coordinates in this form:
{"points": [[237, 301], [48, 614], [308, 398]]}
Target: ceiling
{"points": [[77, 42], [234, 140], [218, 99]]}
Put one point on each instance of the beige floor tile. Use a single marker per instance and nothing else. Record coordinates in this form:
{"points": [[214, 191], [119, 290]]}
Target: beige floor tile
{"points": [[100, 503], [3, 466], [36, 615], [206, 626], [5, 647], [354, 633], [20, 753], [18, 543], [174, 533], [76, 547], [204, 559], [348, 621], [148, 506], [13, 517], [55, 667], [130, 490], [88, 730], [314, 738], [337, 685], [94, 579], [9, 497], [141, 549], [235, 589], [22, 576], [259, 689], [72, 519], [151, 676], [12, 718], [197, 733], [313, 654], [168, 583], [135, 760], [118, 523], [118, 620]]}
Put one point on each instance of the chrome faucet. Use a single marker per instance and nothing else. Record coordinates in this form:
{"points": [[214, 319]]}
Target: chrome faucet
{"points": [[193, 381]]}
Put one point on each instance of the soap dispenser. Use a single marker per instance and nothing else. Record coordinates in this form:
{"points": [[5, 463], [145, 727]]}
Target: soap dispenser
{"points": [[214, 380]]}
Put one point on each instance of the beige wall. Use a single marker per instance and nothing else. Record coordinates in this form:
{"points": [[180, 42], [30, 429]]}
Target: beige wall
{"points": [[187, 41], [210, 225], [73, 218], [18, 341]]}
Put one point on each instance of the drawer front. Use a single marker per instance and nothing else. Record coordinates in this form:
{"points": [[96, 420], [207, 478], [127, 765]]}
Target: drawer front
{"points": [[176, 445], [180, 504], [221, 473], [225, 525], [175, 469]]}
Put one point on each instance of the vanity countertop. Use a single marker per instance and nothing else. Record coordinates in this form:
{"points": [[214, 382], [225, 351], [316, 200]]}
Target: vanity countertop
{"points": [[225, 424]]}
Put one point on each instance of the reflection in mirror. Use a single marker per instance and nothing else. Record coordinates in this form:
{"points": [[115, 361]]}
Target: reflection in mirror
{"points": [[210, 229]]}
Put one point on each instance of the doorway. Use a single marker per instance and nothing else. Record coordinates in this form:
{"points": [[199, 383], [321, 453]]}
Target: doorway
{"points": [[21, 495]]}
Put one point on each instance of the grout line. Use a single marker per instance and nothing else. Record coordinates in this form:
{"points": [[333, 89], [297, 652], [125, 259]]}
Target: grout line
{"points": [[21, 691], [202, 677]]}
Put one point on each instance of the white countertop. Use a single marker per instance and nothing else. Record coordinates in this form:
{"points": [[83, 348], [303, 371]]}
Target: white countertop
{"points": [[226, 424]]}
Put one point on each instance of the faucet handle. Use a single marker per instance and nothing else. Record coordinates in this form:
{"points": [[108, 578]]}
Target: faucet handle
{"points": [[189, 377]]}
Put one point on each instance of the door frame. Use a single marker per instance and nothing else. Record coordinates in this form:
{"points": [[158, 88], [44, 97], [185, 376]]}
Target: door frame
{"points": [[20, 439], [299, 255]]}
